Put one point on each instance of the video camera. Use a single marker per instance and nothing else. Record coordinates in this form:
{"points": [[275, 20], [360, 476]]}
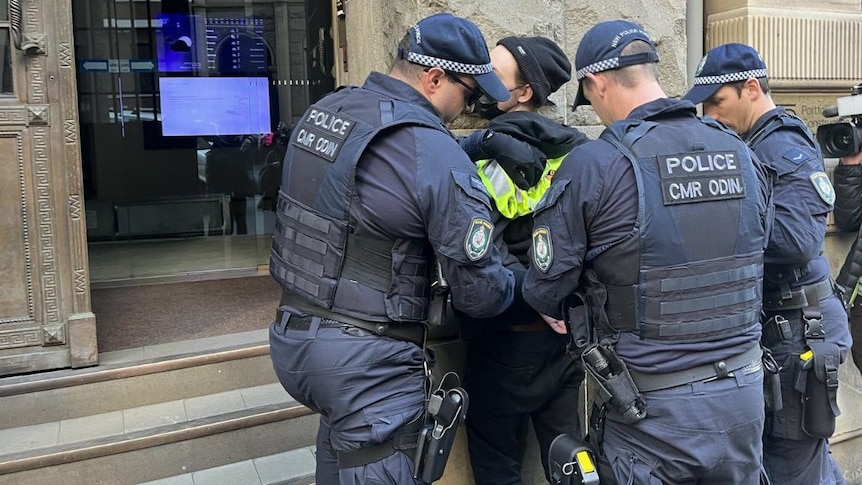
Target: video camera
{"points": [[845, 137]]}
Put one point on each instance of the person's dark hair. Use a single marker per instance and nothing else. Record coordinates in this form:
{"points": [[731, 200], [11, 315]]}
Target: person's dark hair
{"points": [[520, 81], [403, 66], [629, 76], [764, 85]]}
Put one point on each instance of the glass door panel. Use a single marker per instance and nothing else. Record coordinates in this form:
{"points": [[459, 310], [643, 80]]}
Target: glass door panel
{"points": [[185, 109]]}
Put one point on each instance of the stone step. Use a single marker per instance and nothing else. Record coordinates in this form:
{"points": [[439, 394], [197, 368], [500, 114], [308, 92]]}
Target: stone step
{"points": [[157, 441], [137, 377], [174, 411], [295, 467]]}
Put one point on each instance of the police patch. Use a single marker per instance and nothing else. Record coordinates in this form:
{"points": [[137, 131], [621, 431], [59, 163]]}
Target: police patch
{"points": [[543, 252], [478, 238], [823, 186]]}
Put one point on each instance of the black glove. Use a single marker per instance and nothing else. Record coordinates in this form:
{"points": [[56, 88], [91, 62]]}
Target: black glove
{"points": [[522, 162]]}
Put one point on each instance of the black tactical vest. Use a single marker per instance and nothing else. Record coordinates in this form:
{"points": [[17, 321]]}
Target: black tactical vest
{"points": [[315, 253], [691, 270]]}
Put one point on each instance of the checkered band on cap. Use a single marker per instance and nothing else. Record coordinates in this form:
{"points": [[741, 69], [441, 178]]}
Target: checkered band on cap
{"points": [[447, 65], [605, 65], [729, 78]]}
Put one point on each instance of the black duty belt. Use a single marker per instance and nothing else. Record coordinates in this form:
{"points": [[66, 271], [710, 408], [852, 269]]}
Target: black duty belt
{"points": [[409, 332], [706, 372], [796, 298], [404, 439]]}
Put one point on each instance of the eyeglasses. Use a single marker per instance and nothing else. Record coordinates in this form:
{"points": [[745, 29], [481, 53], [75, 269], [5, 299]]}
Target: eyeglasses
{"points": [[475, 94]]}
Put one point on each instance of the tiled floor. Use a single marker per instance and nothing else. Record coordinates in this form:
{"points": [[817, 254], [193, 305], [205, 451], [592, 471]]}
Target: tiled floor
{"points": [[155, 352]]}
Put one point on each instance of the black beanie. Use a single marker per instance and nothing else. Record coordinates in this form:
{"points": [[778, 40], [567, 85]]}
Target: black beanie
{"points": [[542, 63]]}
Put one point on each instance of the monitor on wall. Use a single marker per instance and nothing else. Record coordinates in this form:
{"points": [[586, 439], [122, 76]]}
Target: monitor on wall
{"points": [[176, 43], [212, 106]]}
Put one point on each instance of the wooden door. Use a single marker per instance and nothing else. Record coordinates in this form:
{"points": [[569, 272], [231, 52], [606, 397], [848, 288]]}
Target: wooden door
{"points": [[46, 320]]}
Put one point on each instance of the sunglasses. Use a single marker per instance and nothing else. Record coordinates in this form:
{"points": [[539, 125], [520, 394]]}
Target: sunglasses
{"points": [[475, 94]]}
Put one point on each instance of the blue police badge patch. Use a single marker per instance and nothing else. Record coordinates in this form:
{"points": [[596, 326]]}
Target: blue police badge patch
{"points": [[543, 252], [823, 186], [478, 238]]}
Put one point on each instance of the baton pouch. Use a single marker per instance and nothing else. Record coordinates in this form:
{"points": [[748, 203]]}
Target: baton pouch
{"points": [[571, 462], [447, 407], [817, 381], [439, 299], [771, 382]]}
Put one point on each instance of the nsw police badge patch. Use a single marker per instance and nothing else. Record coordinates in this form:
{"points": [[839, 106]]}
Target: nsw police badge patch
{"points": [[543, 252], [478, 238], [823, 187]]}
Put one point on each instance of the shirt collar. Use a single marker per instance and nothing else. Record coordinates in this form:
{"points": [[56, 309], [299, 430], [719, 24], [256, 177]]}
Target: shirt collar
{"points": [[763, 120], [398, 89], [661, 107]]}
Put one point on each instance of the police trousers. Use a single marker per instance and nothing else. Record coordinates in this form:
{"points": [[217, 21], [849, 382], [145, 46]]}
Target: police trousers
{"points": [[365, 388], [700, 433], [790, 456], [512, 378]]}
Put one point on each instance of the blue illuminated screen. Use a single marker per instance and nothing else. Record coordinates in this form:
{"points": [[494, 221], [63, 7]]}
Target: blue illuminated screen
{"points": [[176, 43], [210, 106]]}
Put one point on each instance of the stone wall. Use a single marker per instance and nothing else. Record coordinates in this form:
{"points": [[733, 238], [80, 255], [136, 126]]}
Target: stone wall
{"points": [[374, 27]]}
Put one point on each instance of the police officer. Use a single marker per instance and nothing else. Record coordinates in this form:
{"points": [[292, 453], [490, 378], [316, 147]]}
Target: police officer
{"points": [[731, 82], [518, 369], [848, 217], [374, 187], [660, 223]]}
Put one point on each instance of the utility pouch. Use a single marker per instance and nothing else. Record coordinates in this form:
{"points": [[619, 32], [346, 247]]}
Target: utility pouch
{"points": [[571, 462], [614, 385], [776, 331], [439, 299], [578, 322], [817, 381], [771, 382], [447, 407]]}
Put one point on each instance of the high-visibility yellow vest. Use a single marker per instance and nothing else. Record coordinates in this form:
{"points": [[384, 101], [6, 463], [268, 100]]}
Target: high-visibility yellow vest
{"points": [[511, 200]]}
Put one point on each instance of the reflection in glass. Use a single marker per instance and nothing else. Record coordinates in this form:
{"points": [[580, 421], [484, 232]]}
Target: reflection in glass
{"points": [[6, 85], [185, 114], [4, 9]]}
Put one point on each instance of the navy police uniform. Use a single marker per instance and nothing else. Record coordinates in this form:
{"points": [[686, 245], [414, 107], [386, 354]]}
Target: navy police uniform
{"points": [[679, 302], [374, 188], [804, 322], [518, 369], [794, 264]]}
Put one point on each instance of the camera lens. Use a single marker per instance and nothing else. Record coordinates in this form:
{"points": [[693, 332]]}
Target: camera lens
{"points": [[839, 139]]}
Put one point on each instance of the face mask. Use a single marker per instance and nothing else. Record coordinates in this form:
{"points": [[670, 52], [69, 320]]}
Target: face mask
{"points": [[487, 108]]}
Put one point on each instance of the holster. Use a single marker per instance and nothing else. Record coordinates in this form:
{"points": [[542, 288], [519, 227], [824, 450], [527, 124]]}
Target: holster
{"points": [[572, 462], [446, 409], [817, 381], [615, 387]]}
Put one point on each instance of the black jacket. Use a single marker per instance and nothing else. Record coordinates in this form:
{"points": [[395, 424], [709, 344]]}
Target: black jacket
{"points": [[848, 217]]}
